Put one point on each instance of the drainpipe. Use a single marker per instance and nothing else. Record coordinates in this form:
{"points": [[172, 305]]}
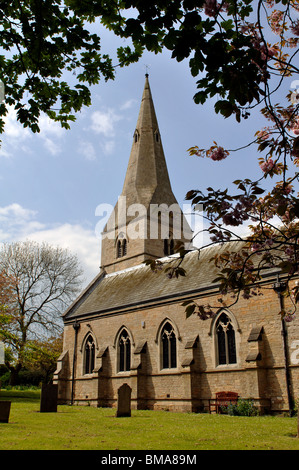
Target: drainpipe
{"points": [[280, 287], [76, 327]]}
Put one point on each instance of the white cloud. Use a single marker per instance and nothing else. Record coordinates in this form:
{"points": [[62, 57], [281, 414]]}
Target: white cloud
{"points": [[128, 104], [16, 210], [15, 135], [51, 134], [16, 221], [87, 150], [103, 122], [79, 240], [4, 152], [13, 129], [52, 146], [50, 127], [108, 147], [18, 224]]}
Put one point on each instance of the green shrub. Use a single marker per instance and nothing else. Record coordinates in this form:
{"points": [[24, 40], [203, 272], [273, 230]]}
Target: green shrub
{"points": [[4, 379], [26, 378], [31, 377], [244, 407]]}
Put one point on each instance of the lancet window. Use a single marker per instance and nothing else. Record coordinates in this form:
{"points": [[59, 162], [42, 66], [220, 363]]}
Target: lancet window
{"points": [[89, 355], [168, 344], [124, 351], [226, 342]]}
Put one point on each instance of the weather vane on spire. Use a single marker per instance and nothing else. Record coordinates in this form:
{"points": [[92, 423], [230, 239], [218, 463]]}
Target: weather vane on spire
{"points": [[147, 67]]}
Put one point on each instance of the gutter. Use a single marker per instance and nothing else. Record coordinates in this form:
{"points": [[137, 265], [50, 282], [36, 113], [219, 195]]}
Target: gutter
{"points": [[280, 287], [76, 327]]}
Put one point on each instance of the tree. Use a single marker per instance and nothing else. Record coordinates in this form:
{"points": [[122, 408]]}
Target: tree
{"points": [[5, 294], [240, 53], [231, 53], [41, 356], [41, 40], [44, 280]]}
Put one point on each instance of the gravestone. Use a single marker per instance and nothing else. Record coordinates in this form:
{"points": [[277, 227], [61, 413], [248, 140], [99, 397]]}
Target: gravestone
{"points": [[4, 411], [48, 399], [124, 401]]}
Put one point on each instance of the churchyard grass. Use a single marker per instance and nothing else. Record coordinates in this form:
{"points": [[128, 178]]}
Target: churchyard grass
{"points": [[89, 428]]}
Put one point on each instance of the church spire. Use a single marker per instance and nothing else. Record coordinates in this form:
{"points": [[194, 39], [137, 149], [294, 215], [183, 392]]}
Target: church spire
{"points": [[147, 179], [137, 230]]}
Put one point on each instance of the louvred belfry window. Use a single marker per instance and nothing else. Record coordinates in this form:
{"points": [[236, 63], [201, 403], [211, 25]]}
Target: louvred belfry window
{"points": [[121, 248]]}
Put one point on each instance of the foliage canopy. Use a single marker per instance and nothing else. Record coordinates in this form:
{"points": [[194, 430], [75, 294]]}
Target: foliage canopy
{"points": [[240, 53]]}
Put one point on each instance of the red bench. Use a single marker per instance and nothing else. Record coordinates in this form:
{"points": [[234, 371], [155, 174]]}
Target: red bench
{"points": [[222, 399]]}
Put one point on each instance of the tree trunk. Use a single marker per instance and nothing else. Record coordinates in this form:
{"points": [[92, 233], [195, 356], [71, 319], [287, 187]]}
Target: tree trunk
{"points": [[14, 374]]}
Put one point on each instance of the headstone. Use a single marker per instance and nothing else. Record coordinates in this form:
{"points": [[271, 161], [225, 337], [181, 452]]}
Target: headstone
{"points": [[48, 399], [4, 411], [124, 401]]}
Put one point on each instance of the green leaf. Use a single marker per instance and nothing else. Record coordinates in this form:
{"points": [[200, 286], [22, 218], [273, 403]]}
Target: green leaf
{"points": [[190, 310], [187, 302]]}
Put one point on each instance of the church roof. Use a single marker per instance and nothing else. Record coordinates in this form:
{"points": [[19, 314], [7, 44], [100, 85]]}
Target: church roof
{"points": [[140, 287]]}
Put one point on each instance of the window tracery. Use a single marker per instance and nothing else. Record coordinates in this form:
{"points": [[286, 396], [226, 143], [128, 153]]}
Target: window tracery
{"points": [[225, 340], [169, 348], [124, 351], [89, 355]]}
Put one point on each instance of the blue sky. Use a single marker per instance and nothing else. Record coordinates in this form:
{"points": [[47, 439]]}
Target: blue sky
{"points": [[52, 182]]}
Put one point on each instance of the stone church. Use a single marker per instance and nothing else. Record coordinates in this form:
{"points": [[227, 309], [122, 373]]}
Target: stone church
{"points": [[129, 325]]}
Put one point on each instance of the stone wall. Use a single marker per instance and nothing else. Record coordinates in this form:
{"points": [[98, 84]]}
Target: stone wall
{"points": [[259, 372]]}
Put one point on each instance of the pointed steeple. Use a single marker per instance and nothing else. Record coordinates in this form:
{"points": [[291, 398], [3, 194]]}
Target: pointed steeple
{"points": [[137, 230], [147, 179]]}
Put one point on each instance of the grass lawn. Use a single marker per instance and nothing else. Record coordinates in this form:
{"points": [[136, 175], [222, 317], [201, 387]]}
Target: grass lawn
{"points": [[88, 428]]}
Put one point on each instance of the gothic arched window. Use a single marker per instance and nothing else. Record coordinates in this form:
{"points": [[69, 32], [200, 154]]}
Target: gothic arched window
{"points": [[89, 355], [226, 343], [124, 351], [168, 345]]}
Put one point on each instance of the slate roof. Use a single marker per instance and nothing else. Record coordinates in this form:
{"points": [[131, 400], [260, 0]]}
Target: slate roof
{"points": [[139, 285]]}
